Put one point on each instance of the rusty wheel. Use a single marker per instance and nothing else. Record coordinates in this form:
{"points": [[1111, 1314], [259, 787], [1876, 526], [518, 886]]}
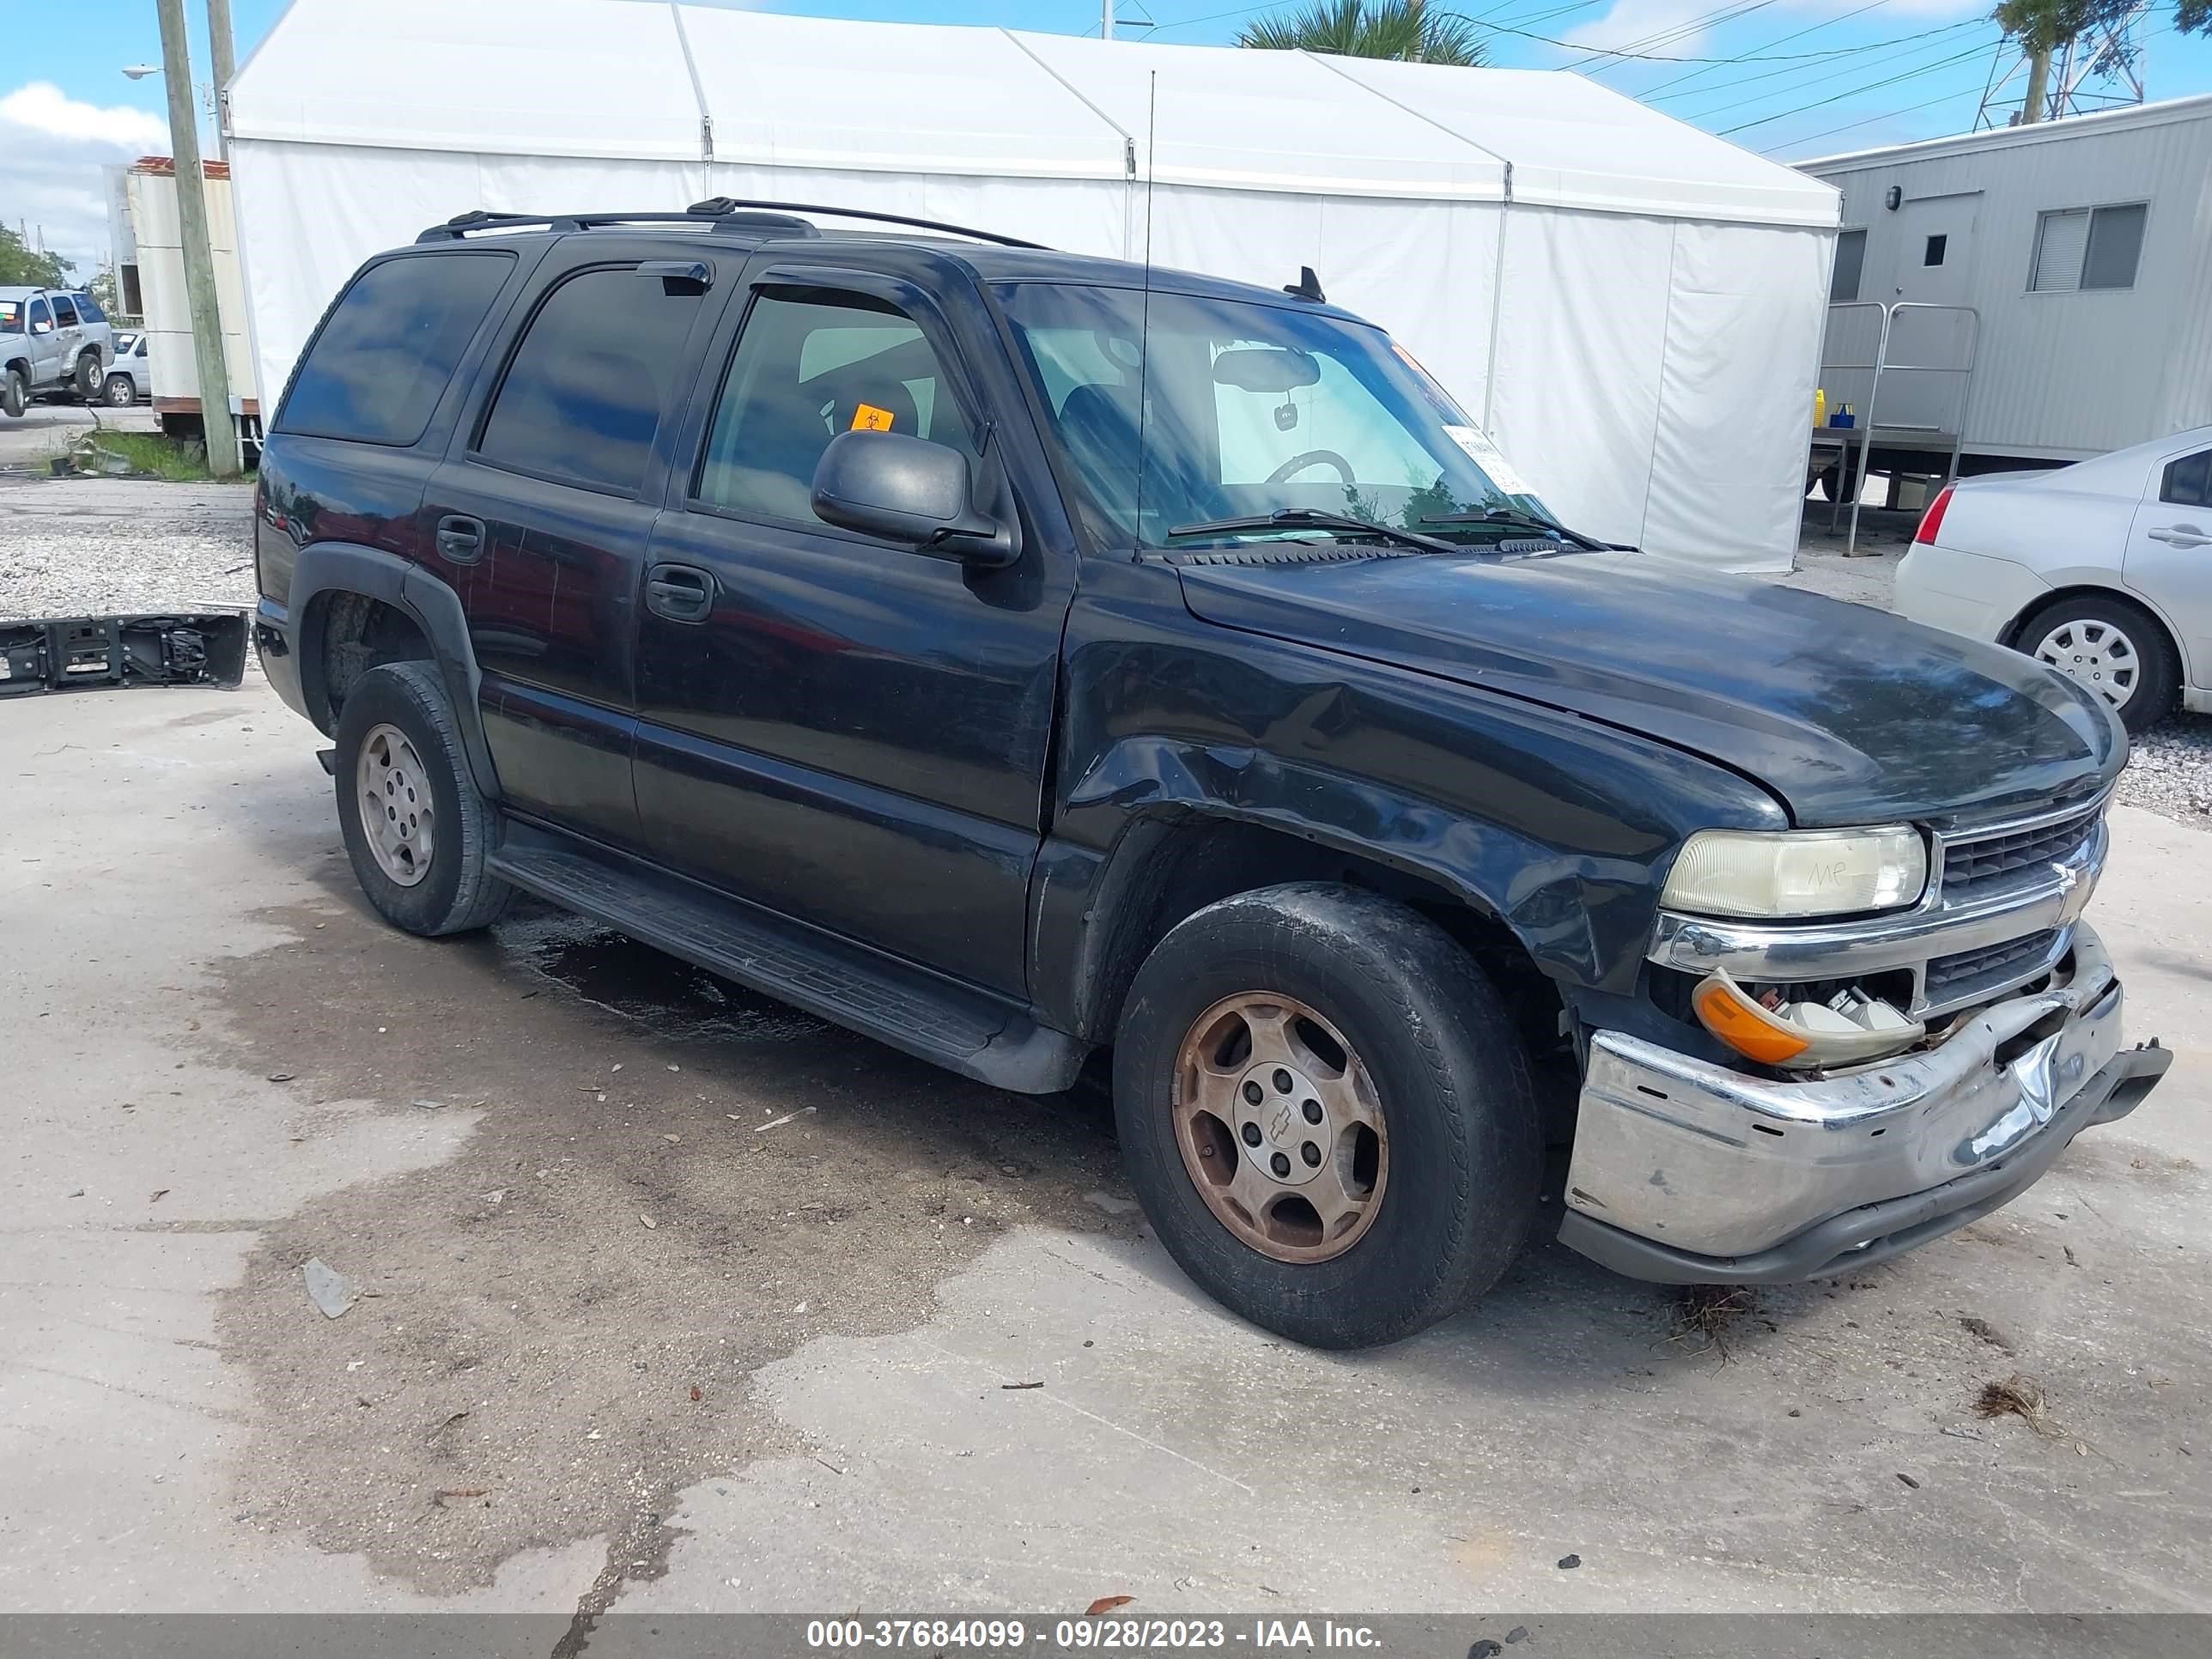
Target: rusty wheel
{"points": [[1280, 1127], [1326, 1111]]}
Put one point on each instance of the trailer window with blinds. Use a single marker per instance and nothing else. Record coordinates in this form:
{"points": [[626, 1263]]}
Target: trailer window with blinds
{"points": [[2079, 248]]}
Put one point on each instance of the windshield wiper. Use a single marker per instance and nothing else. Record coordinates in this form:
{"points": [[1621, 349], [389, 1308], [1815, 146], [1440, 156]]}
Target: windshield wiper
{"points": [[1511, 519], [1307, 518]]}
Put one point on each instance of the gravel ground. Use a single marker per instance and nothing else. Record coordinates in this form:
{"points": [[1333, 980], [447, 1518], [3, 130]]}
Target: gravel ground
{"points": [[89, 545]]}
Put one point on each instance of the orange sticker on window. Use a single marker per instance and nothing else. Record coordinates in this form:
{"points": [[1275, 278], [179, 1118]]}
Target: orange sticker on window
{"points": [[868, 418]]}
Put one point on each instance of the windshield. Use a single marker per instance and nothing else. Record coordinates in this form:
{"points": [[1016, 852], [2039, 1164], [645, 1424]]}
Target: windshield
{"points": [[1249, 410], [11, 316]]}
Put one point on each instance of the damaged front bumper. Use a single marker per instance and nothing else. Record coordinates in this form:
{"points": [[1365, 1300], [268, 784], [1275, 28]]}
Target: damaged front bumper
{"points": [[1688, 1172], [92, 654]]}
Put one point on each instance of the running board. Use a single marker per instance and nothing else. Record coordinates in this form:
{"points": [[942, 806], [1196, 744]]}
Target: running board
{"points": [[935, 1019]]}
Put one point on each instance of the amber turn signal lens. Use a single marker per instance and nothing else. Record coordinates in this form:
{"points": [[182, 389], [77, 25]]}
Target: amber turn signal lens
{"points": [[1744, 1025]]}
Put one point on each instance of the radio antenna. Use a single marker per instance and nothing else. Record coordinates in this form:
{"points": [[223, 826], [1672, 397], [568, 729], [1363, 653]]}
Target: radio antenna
{"points": [[1145, 314]]}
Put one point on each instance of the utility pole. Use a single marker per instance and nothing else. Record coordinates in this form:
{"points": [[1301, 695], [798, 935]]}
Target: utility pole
{"points": [[1105, 20], [226, 67], [2036, 105], [221, 431]]}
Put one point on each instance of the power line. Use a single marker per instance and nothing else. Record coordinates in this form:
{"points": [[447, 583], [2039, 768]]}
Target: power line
{"points": [[1871, 86], [1662, 37], [1887, 115], [1814, 79], [1770, 58], [1811, 28], [1806, 79], [1909, 109]]}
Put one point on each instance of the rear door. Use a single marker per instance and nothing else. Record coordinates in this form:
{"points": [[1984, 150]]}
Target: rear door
{"points": [[543, 510], [2169, 559], [68, 334]]}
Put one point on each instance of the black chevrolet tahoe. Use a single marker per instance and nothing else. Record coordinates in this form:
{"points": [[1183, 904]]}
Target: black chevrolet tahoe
{"points": [[1016, 657]]}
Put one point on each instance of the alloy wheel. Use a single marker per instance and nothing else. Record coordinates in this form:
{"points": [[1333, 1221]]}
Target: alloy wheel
{"points": [[396, 815], [1280, 1127]]}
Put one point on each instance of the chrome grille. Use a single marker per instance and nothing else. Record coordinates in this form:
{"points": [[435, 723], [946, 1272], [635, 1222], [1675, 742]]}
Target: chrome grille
{"points": [[1975, 866], [1948, 976]]}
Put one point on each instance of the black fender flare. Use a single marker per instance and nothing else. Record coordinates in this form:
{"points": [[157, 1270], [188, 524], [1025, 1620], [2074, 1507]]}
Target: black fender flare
{"points": [[323, 569]]}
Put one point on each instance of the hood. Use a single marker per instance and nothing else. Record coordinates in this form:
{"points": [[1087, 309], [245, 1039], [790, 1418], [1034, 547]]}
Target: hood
{"points": [[1848, 714]]}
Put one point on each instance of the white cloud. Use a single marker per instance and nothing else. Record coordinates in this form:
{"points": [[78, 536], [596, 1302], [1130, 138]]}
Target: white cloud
{"points": [[53, 147], [1632, 25], [44, 107]]}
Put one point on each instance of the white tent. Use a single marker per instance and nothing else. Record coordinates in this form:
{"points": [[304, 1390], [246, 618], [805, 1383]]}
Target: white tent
{"points": [[1633, 306]]}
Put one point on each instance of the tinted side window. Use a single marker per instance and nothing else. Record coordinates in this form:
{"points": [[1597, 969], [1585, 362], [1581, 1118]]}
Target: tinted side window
{"points": [[584, 393], [88, 308], [42, 316], [805, 370], [376, 370], [64, 312], [2188, 481]]}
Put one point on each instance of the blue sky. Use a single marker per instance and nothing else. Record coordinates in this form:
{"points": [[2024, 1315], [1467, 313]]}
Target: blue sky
{"points": [[1804, 77]]}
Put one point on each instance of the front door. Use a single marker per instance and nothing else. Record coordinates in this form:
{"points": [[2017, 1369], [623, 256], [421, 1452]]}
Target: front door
{"points": [[836, 726], [541, 516], [1934, 265], [45, 344], [2169, 559]]}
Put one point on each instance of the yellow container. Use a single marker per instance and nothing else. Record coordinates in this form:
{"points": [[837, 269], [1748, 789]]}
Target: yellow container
{"points": [[1820, 406]]}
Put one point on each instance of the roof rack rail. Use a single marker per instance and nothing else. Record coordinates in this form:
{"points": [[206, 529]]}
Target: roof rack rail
{"points": [[725, 213]]}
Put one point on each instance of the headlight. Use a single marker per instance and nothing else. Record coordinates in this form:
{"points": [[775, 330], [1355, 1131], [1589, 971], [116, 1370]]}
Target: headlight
{"points": [[1797, 872]]}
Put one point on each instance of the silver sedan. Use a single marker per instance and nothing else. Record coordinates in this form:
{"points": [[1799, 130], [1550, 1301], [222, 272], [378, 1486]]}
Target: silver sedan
{"points": [[2103, 569]]}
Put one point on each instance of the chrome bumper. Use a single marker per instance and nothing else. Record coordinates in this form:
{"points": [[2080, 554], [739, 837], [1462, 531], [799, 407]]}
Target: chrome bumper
{"points": [[1686, 1171]]}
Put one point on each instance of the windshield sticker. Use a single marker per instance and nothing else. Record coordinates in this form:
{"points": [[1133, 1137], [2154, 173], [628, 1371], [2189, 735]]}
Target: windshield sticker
{"points": [[868, 418], [1485, 455]]}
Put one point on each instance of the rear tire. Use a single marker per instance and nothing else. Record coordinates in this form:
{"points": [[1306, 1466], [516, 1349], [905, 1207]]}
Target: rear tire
{"points": [[122, 392], [1452, 1175], [16, 395], [2110, 646], [397, 737], [88, 377]]}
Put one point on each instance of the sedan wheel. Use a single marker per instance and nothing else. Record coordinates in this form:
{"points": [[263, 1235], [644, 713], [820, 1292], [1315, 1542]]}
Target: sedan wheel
{"points": [[122, 392], [2097, 654], [2112, 648]]}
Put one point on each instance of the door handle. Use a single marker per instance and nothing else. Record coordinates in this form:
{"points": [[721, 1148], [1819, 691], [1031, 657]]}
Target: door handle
{"points": [[680, 591], [460, 538], [2179, 535]]}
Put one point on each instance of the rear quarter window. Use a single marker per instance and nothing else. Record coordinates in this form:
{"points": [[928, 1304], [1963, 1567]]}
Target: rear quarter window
{"points": [[384, 356]]}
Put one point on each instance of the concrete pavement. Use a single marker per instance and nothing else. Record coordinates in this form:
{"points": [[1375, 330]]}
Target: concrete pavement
{"points": [[222, 1064]]}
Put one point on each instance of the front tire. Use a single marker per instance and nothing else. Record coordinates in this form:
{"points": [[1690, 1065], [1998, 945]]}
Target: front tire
{"points": [[1386, 1173], [2110, 646], [122, 392], [16, 395], [416, 829]]}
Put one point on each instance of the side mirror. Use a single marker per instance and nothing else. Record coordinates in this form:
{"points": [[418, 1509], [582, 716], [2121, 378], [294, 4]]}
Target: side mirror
{"points": [[910, 490]]}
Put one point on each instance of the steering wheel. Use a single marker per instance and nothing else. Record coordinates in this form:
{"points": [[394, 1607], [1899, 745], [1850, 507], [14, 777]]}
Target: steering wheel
{"points": [[1313, 457]]}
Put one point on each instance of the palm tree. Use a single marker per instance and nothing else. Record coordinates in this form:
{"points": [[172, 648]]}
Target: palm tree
{"points": [[1409, 30]]}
